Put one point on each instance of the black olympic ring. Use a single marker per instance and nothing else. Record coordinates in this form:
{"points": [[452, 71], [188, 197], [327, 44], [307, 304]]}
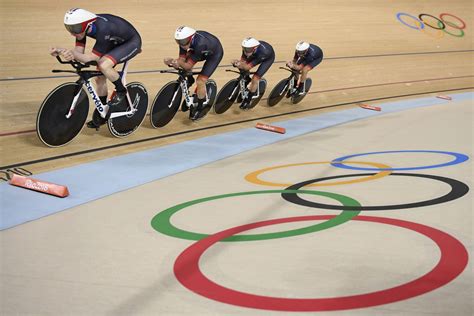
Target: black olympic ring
{"points": [[458, 189], [443, 26]]}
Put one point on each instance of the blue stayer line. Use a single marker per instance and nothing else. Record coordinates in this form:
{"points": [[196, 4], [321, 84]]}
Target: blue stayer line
{"points": [[128, 171]]}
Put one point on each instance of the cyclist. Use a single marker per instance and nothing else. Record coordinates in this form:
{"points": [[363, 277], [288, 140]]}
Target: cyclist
{"points": [[195, 46], [254, 52], [307, 56], [116, 42]]}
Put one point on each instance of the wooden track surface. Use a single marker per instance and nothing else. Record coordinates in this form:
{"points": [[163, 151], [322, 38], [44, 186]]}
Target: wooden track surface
{"points": [[369, 55]]}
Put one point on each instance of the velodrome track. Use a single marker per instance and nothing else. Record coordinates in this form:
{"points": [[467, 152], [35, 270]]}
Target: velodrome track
{"points": [[109, 248]]}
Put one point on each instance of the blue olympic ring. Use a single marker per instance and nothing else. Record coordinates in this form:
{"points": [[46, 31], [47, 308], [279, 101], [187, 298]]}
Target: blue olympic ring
{"points": [[459, 158], [422, 25]]}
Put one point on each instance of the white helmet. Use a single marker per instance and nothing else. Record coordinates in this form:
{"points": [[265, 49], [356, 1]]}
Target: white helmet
{"points": [[184, 34], [249, 45], [302, 47], [76, 20]]}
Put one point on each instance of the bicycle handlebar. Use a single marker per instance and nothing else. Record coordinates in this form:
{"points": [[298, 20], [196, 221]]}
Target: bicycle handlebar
{"points": [[180, 72], [241, 72], [290, 70], [77, 65]]}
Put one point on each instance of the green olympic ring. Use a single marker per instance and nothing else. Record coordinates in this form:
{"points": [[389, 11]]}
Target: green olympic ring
{"points": [[461, 34], [162, 221]]}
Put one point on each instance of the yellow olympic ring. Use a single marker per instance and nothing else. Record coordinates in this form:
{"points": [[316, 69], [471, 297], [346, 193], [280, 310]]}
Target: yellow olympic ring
{"points": [[253, 176], [433, 33]]}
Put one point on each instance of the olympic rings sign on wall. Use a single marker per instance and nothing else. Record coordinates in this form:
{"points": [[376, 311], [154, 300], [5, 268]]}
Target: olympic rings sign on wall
{"points": [[440, 24]]}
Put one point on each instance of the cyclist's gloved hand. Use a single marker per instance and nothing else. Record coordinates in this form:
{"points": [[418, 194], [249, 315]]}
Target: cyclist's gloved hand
{"points": [[235, 63], [167, 61], [55, 51], [67, 54]]}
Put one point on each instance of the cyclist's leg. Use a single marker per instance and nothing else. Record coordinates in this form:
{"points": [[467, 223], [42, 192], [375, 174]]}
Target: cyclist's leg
{"points": [[207, 70], [262, 69], [101, 88], [304, 73], [117, 55]]}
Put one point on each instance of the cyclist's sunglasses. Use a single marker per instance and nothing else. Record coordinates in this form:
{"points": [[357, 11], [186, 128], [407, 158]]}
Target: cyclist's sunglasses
{"points": [[74, 29], [184, 41]]}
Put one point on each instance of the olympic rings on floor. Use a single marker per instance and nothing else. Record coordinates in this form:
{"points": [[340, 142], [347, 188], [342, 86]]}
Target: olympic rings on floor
{"points": [[440, 26], [459, 158], [162, 221], [458, 189], [253, 176], [452, 262]]}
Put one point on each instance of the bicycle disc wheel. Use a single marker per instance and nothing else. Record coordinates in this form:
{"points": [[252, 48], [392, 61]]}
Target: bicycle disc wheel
{"points": [[52, 126], [166, 104], [226, 96], [299, 98], [262, 85], [278, 92], [123, 126]]}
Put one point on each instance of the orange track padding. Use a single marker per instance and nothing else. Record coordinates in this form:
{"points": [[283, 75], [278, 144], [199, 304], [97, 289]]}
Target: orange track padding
{"points": [[446, 97], [40, 186], [370, 107], [271, 128]]}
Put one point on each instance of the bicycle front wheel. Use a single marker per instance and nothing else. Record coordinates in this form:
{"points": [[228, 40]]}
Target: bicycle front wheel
{"points": [[226, 96], [278, 92], [54, 129], [166, 104]]}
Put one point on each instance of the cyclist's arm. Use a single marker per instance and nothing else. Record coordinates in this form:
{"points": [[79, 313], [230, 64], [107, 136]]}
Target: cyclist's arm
{"points": [[184, 64], [243, 65], [84, 57]]}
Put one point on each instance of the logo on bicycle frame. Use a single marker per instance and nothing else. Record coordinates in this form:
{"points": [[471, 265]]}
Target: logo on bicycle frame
{"points": [[94, 96], [440, 24]]}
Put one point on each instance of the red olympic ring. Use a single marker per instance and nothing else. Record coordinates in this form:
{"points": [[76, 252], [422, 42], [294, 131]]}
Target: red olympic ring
{"points": [[463, 25], [453, 260]]}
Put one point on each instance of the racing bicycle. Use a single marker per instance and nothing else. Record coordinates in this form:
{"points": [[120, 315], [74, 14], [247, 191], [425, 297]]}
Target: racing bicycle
{"points": [[288, 88], [64, 111], [236, 90], [168, 99]]}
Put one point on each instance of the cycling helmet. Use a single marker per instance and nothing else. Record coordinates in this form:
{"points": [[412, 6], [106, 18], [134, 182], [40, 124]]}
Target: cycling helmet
{"points": [[302, 48], [183, 35], [249, 45], [77, 20]]}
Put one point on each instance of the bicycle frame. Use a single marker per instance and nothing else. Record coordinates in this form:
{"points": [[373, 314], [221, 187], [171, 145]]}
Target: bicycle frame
{"points": [[183, 82], [85, 80], [293, 80], [242, 84]]}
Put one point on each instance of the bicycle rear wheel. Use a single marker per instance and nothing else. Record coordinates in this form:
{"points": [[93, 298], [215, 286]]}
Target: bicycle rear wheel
{"points": [[299, 98], [166, 104], [226, 96], [52, 126], [278, 92], [123, 126], [262, 86]]}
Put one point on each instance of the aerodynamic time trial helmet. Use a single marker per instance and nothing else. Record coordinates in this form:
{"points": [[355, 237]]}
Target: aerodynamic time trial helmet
{"points": [[77, 20], [183, 35]]}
